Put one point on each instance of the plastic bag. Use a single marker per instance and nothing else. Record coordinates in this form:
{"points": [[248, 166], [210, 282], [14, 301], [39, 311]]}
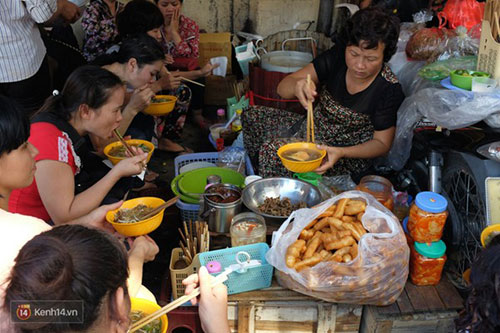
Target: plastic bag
{"points": [[463, 44], [376, 276], [461, 12], [339, 184], [439, 70], [428, 44], [450, 109], [233, 158]]}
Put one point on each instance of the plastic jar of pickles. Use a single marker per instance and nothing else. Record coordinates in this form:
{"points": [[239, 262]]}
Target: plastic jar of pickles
{"points": [[380, 188], [427, 262], [247, 228], [427, 217]]}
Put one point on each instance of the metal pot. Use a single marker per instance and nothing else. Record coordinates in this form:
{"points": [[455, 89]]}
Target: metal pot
{"points": [[286, 61], [220, 214]]}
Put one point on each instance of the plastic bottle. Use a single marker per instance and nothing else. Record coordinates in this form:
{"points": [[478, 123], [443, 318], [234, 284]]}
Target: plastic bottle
{"points": [[236, 125], [221, 116]]}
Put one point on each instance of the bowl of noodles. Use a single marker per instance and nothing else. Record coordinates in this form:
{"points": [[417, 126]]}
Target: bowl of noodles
{"points": [[301, 156], [129, 220], [161, 105], [116, 151], [140, 308]]}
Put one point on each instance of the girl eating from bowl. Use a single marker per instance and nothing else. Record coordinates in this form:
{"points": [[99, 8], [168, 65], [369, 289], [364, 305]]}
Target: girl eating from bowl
{"points": [[75, 262], [138, 62], [358, 98], [90, 103], [17, 169]]}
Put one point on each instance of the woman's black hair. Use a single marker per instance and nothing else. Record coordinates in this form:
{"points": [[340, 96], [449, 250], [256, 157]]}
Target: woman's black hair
{"points": [[482, 308], [156, 1], [138, 16], [143, 48], [14, 126], [69, 262], [369, 26], [90, 85]]}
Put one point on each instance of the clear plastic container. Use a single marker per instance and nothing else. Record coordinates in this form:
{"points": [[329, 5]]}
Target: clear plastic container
{"points": [[247, 228], [380, 188], [236, 126], [427, 217], [426, 263]]}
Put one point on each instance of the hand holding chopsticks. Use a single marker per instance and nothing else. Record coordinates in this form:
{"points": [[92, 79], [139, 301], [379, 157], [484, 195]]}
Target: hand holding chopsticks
{"points": [[127, 146], [178, 302]]}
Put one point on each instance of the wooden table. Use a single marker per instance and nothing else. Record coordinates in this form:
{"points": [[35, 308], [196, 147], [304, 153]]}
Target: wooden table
{"points": [[276, 309], [418, 309]]}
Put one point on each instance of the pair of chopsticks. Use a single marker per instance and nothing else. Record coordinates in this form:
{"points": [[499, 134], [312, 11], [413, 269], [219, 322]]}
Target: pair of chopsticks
{"points": [[175, 304], [191, 81], [127, 146], [491, 14], [195, 241], [310, 116], [160, 208]]}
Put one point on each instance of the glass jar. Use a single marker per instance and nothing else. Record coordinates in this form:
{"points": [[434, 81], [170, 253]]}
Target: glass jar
{"points": [[426, 263], [380, 188], [427, 217], [247, 228]]}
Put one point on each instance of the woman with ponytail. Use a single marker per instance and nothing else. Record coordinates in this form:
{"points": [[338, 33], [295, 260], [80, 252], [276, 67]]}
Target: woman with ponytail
{"points": [[75, 263], [138, 62], [88, 265], [89, 104]]}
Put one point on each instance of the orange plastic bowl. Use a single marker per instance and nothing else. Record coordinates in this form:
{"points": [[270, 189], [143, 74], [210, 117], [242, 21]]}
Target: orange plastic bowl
{"points": [[132, 142], [161, 108], [300, 167], [148, 307], [140, 228]]}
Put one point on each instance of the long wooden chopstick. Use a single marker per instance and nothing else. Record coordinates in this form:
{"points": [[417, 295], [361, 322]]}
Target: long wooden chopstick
{"points": [[161, 207], [126, 145], [175, 304], [310, 117], [191, 81]]}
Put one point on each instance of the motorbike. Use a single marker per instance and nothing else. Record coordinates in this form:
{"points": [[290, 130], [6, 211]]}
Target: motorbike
{"points": [[454, 163]]}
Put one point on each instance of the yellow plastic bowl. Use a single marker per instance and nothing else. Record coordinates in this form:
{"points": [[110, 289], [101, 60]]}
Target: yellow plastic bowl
{"points": [[132, 142], [488, 230], [163, 108], [137, 228], [148, 307], [296, 166]]}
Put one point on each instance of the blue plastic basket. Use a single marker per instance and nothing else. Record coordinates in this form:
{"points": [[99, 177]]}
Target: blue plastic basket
{"points": [[254, 278], [211, 157], [189, 212]]}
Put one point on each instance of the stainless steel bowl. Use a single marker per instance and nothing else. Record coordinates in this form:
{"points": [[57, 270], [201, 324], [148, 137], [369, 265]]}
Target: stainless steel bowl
{"points": [[296, 190]]}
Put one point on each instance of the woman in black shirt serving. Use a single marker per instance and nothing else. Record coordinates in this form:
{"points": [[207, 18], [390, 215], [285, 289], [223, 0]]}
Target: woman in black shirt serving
{"points": [[358, 98]]}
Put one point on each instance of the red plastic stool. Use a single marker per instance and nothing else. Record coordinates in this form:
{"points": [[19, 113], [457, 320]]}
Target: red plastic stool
{"points": [[182, 318]]}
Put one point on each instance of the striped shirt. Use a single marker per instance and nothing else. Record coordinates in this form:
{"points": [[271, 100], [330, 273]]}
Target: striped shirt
{"points": [[21, 46]]}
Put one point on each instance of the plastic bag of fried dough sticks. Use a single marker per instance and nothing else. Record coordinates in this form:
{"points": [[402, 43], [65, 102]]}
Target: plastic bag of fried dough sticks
{"points": [[348, 249]]}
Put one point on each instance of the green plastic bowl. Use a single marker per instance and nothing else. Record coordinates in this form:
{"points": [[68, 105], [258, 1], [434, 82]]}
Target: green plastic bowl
{"points": [[465, 81], [195, 181], [184, 198]]}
